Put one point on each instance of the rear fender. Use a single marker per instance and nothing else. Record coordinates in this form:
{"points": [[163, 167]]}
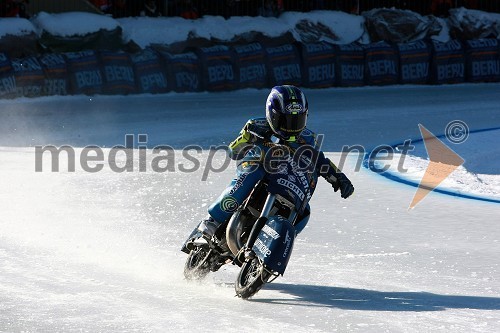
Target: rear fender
{"points": [[274, 243]]}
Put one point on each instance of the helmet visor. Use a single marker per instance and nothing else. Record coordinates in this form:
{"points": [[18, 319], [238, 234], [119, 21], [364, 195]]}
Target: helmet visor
{"points": [[292, 124]]}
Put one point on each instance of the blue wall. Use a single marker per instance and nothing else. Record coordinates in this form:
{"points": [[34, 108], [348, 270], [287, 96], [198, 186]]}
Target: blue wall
{"points": [[253, 65]]}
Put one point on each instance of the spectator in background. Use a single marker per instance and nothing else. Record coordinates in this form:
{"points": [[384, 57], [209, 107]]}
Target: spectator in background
{"points": [[440, 8], [150, 9], [471, 4], [120, 8], [294, 5], [8, 8], [165, 7], [246, 7], [187, 10], [269, 9], [14, 8], [103, 5], [213, 7], [318, 5]]}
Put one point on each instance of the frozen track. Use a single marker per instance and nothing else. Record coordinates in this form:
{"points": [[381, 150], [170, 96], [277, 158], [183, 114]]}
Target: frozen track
{"points": [[99, 252], [367, 116]]}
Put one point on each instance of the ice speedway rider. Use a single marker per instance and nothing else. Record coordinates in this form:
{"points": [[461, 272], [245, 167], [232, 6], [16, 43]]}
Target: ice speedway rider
{"points": [[285, 124]]}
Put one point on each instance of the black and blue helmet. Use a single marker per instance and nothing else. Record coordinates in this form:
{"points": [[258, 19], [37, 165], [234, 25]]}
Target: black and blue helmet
{"points": [[286, 111]]}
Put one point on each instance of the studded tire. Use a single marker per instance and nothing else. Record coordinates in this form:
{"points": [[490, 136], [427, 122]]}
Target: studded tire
{"points": [[251, 278], [197, 264]]}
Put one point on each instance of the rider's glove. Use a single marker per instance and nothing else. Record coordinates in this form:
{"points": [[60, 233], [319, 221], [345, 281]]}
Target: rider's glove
{"points": [[346, 188], [340, 181], [249, 136], [239, 147]]}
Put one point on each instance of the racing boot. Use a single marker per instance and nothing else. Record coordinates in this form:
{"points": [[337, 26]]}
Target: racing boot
{"points": [[189, 242], [202, 233], [208, 227]]}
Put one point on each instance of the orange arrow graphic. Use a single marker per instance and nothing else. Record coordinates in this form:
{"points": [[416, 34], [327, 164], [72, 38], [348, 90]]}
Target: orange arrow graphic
{"points": [[443, 161]]}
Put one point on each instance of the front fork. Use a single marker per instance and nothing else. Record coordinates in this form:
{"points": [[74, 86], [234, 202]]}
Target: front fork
{"points": [[261, 221]]}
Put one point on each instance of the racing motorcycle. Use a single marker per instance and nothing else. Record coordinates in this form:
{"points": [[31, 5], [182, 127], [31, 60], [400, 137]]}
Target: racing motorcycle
{"points": [[267, 222]]}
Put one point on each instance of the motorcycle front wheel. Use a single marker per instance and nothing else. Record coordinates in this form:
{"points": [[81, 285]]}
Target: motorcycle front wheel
{"points": [[251, 278]]}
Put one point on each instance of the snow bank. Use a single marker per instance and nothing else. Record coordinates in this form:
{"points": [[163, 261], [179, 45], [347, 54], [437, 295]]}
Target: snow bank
{"points": [[330, 26], [15, 26], [145, 31], [73, 23], [473, 24], [18, 38], [480, 17], [399, 26]]}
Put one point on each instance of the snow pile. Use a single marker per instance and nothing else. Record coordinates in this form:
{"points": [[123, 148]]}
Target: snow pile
{"points": [[18, 38], [329, 26], [444, 34], [343, 28], [400, 26], [347, 28], [474, 24], [16, 27], [73, 23]]}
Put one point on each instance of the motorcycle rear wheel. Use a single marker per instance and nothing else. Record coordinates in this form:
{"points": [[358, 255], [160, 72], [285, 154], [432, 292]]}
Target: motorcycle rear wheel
{"points": [[197, 264], [251, 278]]}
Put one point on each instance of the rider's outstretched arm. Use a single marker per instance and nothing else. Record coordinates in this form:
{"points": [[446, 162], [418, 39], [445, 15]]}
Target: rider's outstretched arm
{"points": [[334, 176]]}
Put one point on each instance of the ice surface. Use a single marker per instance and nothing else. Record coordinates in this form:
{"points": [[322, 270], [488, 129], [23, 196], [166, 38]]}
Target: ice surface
{"points": [[100, 251]]}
